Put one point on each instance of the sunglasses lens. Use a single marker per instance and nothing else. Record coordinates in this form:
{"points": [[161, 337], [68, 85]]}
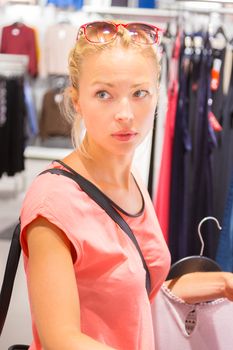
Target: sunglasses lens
{"points": [[100, 32], [143, 33]]}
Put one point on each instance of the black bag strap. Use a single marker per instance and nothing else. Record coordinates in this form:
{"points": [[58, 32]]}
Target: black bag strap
{"points": [[9, 275], [105, 203]]}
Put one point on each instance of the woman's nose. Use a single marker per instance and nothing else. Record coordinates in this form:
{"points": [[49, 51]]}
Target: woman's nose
{"points": [[124, 111]]}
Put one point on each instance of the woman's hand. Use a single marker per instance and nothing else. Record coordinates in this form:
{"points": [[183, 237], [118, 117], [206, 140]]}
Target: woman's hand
{"points": [[229, 286], [199, 287]]}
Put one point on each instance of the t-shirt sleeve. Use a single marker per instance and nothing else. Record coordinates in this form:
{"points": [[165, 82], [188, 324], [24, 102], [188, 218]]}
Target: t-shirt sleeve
{"points": [[46, 199]]}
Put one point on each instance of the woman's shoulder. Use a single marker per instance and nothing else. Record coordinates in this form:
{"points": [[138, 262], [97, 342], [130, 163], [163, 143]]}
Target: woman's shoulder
{"points": [[48, 189], [47, 182], [57, 194]]}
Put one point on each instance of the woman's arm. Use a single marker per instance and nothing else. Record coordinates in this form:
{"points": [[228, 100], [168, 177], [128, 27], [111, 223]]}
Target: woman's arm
{"points": [[198, 287], [53, 290]]}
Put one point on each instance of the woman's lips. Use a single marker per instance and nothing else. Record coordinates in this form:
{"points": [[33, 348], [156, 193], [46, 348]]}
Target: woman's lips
{"points": [[124, 135]]}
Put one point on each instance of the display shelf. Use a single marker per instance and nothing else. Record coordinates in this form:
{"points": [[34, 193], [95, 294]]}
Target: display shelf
{"points": [[168, 10], [49, 153], [131, 12]]}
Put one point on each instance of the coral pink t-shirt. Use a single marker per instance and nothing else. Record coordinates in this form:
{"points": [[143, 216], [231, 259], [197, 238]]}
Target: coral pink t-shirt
{"points": [[114, 305]]}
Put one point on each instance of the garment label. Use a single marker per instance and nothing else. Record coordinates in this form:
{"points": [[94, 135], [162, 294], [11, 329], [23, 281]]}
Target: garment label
{"points": [[58, 98], [15, 31], [215, 74]]}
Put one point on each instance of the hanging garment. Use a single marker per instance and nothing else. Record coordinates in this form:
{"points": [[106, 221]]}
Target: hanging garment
{"points": [[37, 43], [20, 39], [52, 123], [12, 130], [223, 157], [162, 200], [201, 189], [32, 123], [191, 193], [224, 255], [204, 326], [53, 59], [181, 147]]}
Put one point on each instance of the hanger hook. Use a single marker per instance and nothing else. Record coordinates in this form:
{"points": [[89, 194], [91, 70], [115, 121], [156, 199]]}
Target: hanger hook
{"points": [[199, 230]]}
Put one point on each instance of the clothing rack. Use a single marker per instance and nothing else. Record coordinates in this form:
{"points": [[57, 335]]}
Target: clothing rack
{"points": [[13, 65]]}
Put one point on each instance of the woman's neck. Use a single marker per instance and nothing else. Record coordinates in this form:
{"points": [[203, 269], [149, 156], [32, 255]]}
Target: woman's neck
{"points": [[115, 171]]}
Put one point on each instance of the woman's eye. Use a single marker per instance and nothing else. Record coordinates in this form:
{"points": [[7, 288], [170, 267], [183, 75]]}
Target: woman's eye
{"points": [[141, 93], [103, 95]]}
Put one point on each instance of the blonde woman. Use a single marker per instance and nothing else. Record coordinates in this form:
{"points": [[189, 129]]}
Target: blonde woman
{"points": [[86, 279]]}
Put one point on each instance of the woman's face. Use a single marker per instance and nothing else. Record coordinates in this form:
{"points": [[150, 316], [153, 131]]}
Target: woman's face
{"points": [[117, 99]]}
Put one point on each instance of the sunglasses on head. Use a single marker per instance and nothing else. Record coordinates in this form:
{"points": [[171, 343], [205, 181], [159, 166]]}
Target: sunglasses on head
{"points": [[101, 32]]}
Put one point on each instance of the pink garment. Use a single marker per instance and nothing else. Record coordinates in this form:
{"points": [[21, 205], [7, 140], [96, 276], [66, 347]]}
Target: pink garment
{"points": [[162, 200], [58, 40], [210, 323], [115, 308]]}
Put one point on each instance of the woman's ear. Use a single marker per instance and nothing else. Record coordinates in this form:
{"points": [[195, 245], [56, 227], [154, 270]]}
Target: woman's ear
{"points": [[74, 98]]}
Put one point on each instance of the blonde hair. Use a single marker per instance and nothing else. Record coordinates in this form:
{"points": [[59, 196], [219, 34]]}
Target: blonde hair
{"points": [[81, 50]]}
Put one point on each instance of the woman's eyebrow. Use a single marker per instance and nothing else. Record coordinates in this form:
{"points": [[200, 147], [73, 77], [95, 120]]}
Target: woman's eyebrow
{"points": [[98, 82]]}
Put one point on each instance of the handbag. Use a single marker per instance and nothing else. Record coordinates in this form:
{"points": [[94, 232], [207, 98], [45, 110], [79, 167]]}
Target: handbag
{"points": [[15, 249]]}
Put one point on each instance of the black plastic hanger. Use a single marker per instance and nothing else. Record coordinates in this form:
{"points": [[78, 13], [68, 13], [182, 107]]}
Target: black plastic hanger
{"points": [[195, 263]]}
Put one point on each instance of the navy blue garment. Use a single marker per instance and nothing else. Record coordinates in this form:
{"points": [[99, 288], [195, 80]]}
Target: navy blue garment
{"points": [[201, 185], [181, 147], [191, 186], [223, 155], [224, 255]]}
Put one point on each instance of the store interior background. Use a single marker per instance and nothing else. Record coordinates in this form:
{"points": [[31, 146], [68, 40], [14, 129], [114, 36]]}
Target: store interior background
{"points": [[38, 154]]}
